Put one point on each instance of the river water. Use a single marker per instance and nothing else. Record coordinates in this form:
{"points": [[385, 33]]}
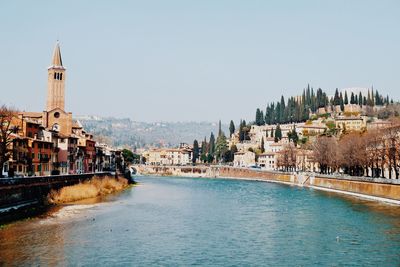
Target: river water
{"points": [[209, 222]]}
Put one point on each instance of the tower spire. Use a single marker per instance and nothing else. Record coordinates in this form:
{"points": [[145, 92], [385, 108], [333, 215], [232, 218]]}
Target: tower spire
{"points": [[57, 61], [56, 81]]}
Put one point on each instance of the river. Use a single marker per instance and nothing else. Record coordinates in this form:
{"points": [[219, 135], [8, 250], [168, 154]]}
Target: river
{"points": [[209, 222]]}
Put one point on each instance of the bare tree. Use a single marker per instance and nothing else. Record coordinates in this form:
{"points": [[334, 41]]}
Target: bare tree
{"points": [[376, 153], [325, 153], [392, 146], [287, 158], [7, 115], [353, 148]]}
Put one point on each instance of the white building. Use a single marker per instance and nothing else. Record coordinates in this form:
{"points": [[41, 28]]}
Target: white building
{"points": [[244, 159], [168, 157], [268, 161]]}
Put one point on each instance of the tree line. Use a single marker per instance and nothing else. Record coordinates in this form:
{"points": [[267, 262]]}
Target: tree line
{"points": [[375, 153], [298, 109], [214, 150]]}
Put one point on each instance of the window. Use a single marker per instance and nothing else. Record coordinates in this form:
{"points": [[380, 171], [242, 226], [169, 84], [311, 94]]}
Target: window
{"points": [[55, 76], [33, 155], [56, 115], [60, 76]]}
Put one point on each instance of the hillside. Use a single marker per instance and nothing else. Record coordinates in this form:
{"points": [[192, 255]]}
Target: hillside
{"points": [[125, 132]]}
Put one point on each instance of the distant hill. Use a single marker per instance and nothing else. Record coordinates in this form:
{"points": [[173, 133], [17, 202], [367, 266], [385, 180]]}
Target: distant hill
{"points": [[125, 132]]}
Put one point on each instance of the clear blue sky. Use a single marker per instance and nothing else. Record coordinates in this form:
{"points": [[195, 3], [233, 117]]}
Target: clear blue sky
{"points": [[195, 60]]}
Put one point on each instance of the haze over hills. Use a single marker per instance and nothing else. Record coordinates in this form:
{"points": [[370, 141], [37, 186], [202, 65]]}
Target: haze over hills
{"points": [[135, 134]]}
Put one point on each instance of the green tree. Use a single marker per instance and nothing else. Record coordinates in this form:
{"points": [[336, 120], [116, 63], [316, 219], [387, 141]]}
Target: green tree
{"points": [[258, 117], [211, 145], [346, 99], [292, 135], [352, 99], [278, 133], [341, 102], [241, 132], [204, 150], [196, 151], [262, 145], [230, 154], [231, 128], [128, 156], [221, 147], [336, 99], [219, 128], [210, 158]]}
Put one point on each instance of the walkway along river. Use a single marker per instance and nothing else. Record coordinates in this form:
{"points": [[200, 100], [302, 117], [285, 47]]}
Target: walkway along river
{"points": [[183, 221]]}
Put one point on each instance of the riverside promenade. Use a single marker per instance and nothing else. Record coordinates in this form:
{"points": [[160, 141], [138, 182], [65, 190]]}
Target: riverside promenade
{"points": [[385, 190]]}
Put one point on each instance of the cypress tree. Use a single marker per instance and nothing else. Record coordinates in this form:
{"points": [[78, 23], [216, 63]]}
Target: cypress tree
{"points": [[195, 151], [352, 100], [360, 99], [221, 147], [258, 119], [211, 145], [267, 115], [262, 120], [282, 118], [372, 97], [262, 145], [278, 133], [204, 150], [369, 100], [341, 102], [241, 132], [231, 128], [346, 99]]}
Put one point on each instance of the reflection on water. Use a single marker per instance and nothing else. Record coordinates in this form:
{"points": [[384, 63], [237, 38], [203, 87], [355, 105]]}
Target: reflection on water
{"points": [[179, 221]]}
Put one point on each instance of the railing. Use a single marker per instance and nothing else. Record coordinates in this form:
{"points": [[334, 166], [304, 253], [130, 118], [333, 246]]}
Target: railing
{"points": [[49, 179]]}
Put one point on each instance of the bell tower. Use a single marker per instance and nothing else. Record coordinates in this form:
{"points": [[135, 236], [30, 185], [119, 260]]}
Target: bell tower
{"points": [[56, 82]]}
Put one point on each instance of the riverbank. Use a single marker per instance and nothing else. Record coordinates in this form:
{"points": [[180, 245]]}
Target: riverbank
{"points": [[22, 198], [92, 188], [377, 189]]}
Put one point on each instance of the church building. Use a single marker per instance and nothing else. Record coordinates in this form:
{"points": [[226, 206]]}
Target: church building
{"points": [[55, 117]]}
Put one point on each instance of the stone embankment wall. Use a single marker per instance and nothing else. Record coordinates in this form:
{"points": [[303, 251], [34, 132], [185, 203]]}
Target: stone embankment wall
{"points": [[22, 193], [388, 189], [380, 188], [187, 171]]}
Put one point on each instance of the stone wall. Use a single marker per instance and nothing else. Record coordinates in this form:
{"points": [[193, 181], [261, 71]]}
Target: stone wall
{"points": [[375, 187], [17, 194], [382, 188]]}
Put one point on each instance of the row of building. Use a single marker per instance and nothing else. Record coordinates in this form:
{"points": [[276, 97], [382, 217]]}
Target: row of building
{"points": [[51, 142], [269, 158], [169, 156]]}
